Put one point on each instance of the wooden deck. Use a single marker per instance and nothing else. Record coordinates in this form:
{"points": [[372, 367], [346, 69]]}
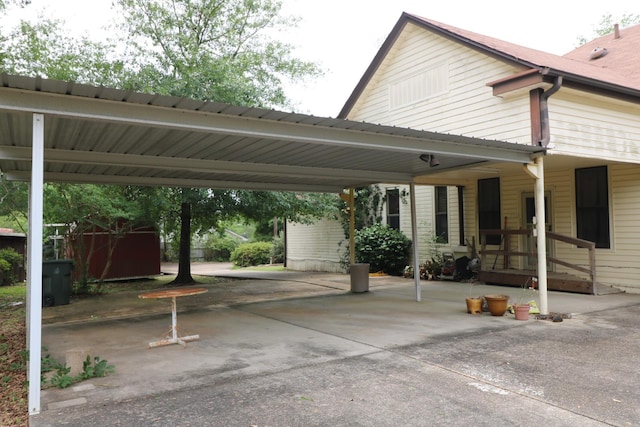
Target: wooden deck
{"points": [[555, 281]]}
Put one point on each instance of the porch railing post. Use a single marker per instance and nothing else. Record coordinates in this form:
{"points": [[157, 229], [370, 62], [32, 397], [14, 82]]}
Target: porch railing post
{"points": [[592, 266]]}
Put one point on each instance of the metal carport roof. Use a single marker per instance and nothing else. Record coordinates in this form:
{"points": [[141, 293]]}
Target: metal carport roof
{"points": [[61, 131], [104, 135]]}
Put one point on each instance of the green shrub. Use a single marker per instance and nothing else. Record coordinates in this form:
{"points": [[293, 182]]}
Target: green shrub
{"points": [[384, 248], [9, 262], [219, 248], [248, 254], [277, 251]]}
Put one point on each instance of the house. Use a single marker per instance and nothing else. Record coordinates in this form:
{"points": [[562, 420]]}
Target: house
{"points": [[584, 107]]}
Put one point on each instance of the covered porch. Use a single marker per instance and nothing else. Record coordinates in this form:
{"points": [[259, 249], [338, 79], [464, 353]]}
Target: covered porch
{"points": [[513, 263]]}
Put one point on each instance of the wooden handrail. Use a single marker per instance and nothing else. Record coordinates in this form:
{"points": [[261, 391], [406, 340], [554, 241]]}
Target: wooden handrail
{"points": [[506, 253]]}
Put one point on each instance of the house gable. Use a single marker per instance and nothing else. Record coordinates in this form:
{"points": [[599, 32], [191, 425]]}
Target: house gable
{"points": [[577, 72], [427, 81]]}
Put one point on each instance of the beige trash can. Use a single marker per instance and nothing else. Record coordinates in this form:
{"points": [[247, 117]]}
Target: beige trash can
{"points": [[359, 277]]}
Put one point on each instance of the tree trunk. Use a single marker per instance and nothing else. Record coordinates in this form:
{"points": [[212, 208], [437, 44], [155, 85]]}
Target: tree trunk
{"points": [[184, 257]]}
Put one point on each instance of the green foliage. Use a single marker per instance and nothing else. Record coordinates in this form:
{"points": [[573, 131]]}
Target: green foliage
{"points": [[47, 362], [113, 209], [47, 49], [248, 254], [96, 368], [61, 379], [607, 23], [13, 293], [277, 250], [384, 248], [212, 50], [219, 247], [14, 198], [368, 203], [263, 206], [9, 261]]}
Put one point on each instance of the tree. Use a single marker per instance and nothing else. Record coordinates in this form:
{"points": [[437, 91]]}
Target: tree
{"points": [[212, 50], [607, 23], [46, 49], [110, 210], [14, 204], [192, 211], [206, 209]]}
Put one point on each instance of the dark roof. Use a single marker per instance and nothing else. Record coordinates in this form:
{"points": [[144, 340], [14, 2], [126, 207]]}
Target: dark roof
{"points": [[621, 53], [574, 67]]}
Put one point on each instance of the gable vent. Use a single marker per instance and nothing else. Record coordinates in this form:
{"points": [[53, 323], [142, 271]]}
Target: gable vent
{"points": [[427, 84]]}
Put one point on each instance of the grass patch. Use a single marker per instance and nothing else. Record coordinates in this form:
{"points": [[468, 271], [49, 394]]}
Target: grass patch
{"points": [[13, 293], [158, 282]]}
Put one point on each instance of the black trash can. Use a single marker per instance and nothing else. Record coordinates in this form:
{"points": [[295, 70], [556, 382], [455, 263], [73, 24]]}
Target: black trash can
{"points": [[56, 282], [359, 277]]}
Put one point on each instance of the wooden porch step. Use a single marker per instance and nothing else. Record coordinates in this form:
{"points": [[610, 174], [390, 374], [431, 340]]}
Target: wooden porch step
{"points": [[555, 281]]}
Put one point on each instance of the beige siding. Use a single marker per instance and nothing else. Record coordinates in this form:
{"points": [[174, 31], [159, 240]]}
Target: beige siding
{"points": [[620, 265], [425, 220], [594, 127], [316, 247], [617, 266], [466, 108], [429, 82]]}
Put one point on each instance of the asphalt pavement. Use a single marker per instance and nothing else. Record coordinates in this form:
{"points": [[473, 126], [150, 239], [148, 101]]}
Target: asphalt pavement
{"points": [[300, 349]]}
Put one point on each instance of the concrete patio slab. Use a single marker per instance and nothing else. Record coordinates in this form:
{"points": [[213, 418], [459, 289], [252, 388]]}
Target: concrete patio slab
{"points": [[290, 322]]}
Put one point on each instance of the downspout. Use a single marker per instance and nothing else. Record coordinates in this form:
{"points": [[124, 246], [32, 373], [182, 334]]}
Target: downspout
{"points": [[544, 112], [536, 170]]}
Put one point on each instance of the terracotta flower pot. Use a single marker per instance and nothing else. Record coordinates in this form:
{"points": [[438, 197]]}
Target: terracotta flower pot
{"points": [[497, 304], [521, 311], [474, 305]]}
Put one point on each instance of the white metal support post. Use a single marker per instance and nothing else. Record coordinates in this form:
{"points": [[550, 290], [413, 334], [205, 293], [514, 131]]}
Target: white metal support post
{"points": [[414, 237], [536, 170], [34, 261]]}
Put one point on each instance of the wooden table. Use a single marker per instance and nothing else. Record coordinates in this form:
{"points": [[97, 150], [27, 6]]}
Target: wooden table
{"points": [[172, 335]]}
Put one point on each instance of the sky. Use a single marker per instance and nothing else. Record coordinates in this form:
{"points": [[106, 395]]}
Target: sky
{"points": [[343, 36]]}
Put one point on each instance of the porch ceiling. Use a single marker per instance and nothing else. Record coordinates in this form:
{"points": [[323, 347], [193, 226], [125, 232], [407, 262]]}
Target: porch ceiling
{"points": [[105, 135]]}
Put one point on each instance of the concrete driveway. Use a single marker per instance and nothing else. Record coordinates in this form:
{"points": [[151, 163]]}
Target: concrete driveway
{"points": [[299, 349]]}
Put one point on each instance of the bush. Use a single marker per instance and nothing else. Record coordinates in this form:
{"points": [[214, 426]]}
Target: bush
{"points": [[219, 248], [277, 252], [384, 248], [248, 254], [9, 262]]}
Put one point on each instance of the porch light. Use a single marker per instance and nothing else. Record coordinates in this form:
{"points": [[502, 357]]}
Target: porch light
{"points": [[429, 158]]}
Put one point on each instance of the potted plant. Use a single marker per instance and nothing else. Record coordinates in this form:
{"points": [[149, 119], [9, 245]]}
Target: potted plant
{"points": [[474, 304], [497, 304], [522, 306]]}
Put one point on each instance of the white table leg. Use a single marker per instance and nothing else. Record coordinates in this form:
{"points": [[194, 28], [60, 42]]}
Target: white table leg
{"points": [[174, 339]]}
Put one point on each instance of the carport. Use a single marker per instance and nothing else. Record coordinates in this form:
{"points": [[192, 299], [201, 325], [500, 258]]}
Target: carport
{"points": [[65, 132]]}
